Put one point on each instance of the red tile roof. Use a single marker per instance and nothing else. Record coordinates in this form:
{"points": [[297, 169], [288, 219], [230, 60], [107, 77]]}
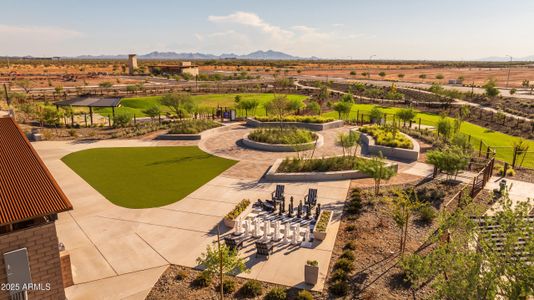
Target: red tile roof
{"points": [[27, 189]]}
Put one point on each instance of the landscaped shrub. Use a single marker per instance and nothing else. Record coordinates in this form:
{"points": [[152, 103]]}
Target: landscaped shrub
{"points": [[303, 119], [389, 138], [304, 295], [228, 286], [350, 245], [350, 227], [238, 209], [180, 275], [276, 294], [339, 288], [509, 172], [121, 120], [426, 213], [285, 136], [339, 275], [354, 205], [192, 126], [202, 280], [329, 164], [348, 254], [322, 223], [343, 264], [251, 289]]}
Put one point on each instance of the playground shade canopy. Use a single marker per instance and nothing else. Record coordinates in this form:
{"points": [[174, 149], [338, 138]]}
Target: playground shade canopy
{"points": [[90, 102]]}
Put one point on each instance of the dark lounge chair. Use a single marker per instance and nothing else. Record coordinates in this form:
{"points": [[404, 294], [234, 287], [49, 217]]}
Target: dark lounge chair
{"points": [[311, 198], [264, 248], [278, 194]]}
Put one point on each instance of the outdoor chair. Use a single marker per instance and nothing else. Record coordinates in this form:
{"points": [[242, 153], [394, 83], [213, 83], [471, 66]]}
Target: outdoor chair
{"points": [[266, 205], [264, 248], [311, 198], [234, 242], [278, 194]]}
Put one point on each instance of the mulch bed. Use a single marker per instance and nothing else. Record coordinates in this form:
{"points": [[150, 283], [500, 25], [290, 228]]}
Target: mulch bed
{"points": [[177, 283]]}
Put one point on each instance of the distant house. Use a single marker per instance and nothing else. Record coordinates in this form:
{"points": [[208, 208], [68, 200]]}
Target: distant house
{"points": [[30, 200], [185, 67]]}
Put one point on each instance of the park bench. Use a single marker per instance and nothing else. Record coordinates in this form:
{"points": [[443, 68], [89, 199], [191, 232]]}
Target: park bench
{"points": [[264, 248]]}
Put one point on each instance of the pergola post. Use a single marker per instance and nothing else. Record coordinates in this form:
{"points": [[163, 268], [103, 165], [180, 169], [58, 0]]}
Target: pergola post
{"points": [[91, 114]]}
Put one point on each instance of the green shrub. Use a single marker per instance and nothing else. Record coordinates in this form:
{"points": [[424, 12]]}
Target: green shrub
{"points": [[192, 126], [302, 119], [238, 209], [181, 275], [354, 205], [339, 288], [276, 294], [350, 245], [339, 275], [387, 137], [348, 254], [285, 136], [426, 213], [323, 221], [509, 172], [304, 295], [251, 289], [343, 264], [202, 280], [350, 227], [329, 164], [228, 286], [121, 120]]}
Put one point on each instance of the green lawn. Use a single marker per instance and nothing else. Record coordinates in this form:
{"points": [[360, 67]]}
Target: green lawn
{"points": [[491, 138], [146, 177], [137, 105]]}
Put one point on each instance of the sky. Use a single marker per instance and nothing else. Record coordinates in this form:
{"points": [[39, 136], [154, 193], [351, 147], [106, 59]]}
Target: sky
{"points": [[351, 29]]}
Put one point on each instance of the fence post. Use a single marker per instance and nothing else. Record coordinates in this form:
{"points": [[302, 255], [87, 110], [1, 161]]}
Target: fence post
{"points": [[480, 148], [487, 152], [109, 121], [159, 119], [515, 157], [419, 124], [135, 121]]}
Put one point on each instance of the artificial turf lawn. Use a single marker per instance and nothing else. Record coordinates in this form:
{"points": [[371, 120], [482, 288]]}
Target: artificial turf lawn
{"points": [[138, 105], [144, 177], [503, 142]]}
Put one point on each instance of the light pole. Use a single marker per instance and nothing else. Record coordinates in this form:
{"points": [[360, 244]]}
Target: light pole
{"points": [[369, 66], [509, 67]]}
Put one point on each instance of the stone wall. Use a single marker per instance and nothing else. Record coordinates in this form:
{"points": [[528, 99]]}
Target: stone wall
{"points": [[43, 254]]}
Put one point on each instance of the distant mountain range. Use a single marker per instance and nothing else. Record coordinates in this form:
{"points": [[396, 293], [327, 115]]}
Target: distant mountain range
{"points": [[507, 58], [260, 55]]}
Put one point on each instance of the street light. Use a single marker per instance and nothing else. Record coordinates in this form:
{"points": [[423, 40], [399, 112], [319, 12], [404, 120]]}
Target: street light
{"points": [[509, 67]]}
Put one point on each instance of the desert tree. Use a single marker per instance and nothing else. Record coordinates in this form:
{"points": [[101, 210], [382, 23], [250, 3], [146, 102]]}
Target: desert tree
{"points": [[153, 112], [491, 88], [349, 142], [24, 84], [280, 106], [376, 114], [377, 169], [179, 103], [403, 205], [313, 107], [221, 260], [449, 160], [406, 115], [382, 74], [401, 76]]}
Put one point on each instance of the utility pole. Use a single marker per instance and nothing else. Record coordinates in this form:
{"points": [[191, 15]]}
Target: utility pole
{"points": [[7, 95], [509, 67]]}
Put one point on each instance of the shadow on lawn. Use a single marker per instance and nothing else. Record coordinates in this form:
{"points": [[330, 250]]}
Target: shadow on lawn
{"points": [[180, 160]]}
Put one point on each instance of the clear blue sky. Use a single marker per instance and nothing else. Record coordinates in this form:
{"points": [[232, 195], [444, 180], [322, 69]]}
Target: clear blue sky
{"points": [[398, 29]]}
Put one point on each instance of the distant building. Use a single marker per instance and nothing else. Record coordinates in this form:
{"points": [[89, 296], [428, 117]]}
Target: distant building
{"points": [[31, 265], [456, 81], [132, 63], [185, 67]]}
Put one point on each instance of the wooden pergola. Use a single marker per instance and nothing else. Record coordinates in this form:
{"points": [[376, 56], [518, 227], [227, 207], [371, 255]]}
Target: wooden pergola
{"points": [[91, 102]]}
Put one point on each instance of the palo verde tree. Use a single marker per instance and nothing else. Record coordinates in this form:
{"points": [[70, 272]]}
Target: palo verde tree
{"points": [[491, 88], [221, 260], [403, 205], [450, 160], [179, 103], [344, 106], [376, 114], [377, 169], [248, 105], [405, 114], [24, 84], [153, 112], [279, 106], [349, 142], [444, 128]]}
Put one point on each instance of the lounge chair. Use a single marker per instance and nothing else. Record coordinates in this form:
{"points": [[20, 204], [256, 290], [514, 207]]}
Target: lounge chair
{"points": [[311, 198]]}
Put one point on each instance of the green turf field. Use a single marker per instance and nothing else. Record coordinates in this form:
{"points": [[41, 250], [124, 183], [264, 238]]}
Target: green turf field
{"points": [[146, 177], [137, 105], [491, 138]]}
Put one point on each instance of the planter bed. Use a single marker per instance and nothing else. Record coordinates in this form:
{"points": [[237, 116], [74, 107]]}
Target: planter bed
{"points": [[280, 147], [274, 175], [369, 144], [189, 136], [243, 208], [310, 126]]}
